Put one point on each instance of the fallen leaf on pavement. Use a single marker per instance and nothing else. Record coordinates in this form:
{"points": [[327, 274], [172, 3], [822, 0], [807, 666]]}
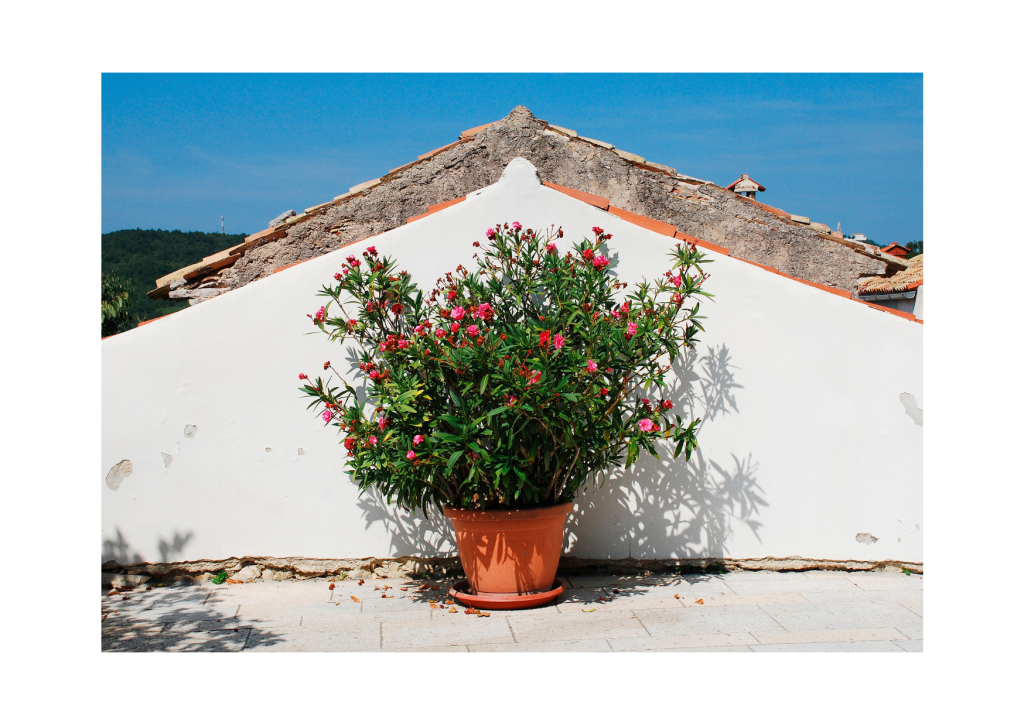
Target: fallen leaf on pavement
{"points": [[361, 582], [127, 597], [112, 593], [233, 582], [386, 596], [701, 601], [387, 587], [471, 611], [676, 596], [354, 598], [483, 615], [376, 588], [403, 589], [453, 610], [433, 604], [602, 599], [150, 587], [436, 587], [331, 586], [589, 611]]}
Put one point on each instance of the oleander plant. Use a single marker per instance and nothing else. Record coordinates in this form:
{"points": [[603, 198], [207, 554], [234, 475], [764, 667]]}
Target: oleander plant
{"points": [[507, 386]]}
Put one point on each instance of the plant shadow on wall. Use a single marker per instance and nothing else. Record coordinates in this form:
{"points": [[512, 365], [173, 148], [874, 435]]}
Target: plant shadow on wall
{"points": [[642, 510], [118, 550], [671, 509]]}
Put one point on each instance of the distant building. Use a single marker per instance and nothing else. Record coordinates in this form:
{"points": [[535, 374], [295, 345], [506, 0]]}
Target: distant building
{"points": [[896, 250], [858, 237], [745, 187]]}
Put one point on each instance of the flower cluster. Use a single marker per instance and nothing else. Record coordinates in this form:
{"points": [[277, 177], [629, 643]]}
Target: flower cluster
{"points": [[505, 386]]}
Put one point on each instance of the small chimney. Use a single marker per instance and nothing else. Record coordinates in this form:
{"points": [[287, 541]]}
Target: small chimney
{"points": [[745, 187]]}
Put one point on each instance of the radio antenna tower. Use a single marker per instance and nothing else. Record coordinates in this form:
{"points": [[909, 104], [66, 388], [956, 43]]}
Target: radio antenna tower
{"points": [[222, 224]]}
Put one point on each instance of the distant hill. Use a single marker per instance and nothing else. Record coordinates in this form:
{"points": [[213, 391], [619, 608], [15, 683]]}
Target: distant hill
{"points": [[143, 255]]}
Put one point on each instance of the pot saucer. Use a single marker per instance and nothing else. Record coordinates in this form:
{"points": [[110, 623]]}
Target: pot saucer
{"points": [[504, 601]]}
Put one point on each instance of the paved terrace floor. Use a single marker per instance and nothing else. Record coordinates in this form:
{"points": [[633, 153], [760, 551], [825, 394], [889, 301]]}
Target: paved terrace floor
{"points": [[736, 611]]}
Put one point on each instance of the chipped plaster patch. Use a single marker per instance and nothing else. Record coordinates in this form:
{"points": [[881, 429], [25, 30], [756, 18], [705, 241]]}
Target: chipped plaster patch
{"points": [[167, 459], [190, 430], [866, 538], [117, 474], [910, 404]]}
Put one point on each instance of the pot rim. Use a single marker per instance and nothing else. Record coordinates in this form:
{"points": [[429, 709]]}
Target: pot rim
{"points": [[558, 510]]}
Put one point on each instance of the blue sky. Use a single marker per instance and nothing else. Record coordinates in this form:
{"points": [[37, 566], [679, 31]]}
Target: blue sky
{"points": [[180, 150]]}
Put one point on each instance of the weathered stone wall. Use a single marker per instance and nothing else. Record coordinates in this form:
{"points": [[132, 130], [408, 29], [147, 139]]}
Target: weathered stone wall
{"points": [[699, 209]]}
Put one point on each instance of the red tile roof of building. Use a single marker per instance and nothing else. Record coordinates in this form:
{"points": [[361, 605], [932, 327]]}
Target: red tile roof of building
{"points": [[903, 281], [744, 177]]}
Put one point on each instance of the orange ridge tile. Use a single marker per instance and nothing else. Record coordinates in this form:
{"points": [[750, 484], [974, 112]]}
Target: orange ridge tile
{"points": [[669, 230], [290, 265], [444, 205], [650, 168], [470, 133], [826, 288], [153, 320], [758, 264], [435, 208], [701, 243], [593, 199], [435, 152]]}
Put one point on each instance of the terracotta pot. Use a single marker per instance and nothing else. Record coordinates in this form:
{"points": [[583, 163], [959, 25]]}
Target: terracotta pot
{"points": [[514, 551]]}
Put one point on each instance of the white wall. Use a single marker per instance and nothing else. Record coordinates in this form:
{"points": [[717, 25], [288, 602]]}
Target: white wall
{"points": [[806, 443]]}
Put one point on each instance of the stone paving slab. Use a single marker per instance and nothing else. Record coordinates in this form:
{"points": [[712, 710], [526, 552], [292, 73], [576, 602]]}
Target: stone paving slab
{"points": [[836, 635], [555, 626], [693, 640], [863, 646], [743, 611], [695, 620], [548, 646]]}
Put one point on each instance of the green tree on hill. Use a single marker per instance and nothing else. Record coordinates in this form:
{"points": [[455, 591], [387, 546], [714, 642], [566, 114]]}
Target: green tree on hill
{"points": [[115, 297], [143, 255]]}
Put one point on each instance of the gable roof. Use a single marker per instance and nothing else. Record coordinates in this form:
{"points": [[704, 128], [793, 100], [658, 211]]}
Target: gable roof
{"points": [[632, 184], [903, 281]]}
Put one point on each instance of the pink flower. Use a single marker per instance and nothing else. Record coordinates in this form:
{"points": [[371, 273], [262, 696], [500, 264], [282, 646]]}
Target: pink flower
{"points": [[597, 230], [535, 376], [484, 311], [490, 233], [677, 280], [372, 440], [552, 249], [631, 328], [591, 366], [320, 314], [456, 326], [411, 455], [601, 262], [326, 415], [604, 391], [418, 329], [302, 377], [559, 342], [374, 375], [458, 313], [417, 440], [646, 424], [516, 226], [440, 333], [382, 422], [403, 344], [473, 330], [337, 275], [615, 314], [372, 250], [587, 254], [383, 347], [450, 295], [545, 336]]}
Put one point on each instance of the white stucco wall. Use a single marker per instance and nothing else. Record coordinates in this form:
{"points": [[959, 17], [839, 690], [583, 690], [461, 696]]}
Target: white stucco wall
{"points": [[919, 303], [806, 443]]}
